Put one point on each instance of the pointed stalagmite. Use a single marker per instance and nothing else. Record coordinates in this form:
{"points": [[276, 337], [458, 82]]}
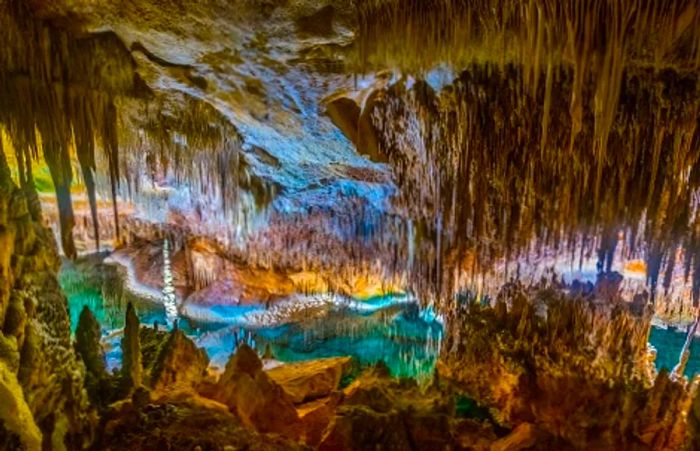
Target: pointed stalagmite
{"points": [[180, 364], [132, 370], [87, 343]]}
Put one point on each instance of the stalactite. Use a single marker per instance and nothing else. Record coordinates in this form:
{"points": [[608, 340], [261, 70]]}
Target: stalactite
{"points": [[594, 37], [679, 369], [85, 149], [111, 146], [58, 162], [58, 92], [467, 156]]}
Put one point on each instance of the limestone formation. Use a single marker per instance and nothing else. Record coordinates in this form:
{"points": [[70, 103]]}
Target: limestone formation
{"points": [[18, 426], [89, 347], [306, 381], [180, 364], [184, 422], [520, 361], [378, 411], [43, 397], [250, 393], [132, 368], [467, 153]]}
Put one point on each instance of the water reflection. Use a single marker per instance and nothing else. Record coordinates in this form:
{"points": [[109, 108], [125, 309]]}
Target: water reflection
{"points": [[391, 329]]}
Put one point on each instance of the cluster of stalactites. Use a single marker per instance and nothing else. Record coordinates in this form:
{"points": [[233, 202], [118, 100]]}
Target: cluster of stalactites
{"points": [[186, 143], [64, 96], [596, 38], [352, 240], [485, 168], [57, 99]]}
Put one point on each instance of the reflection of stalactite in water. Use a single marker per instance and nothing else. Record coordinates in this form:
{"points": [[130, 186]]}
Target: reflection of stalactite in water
{"points": [[169, 299]]}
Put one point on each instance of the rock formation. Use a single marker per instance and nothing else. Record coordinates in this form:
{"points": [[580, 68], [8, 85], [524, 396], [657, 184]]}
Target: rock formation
{"points": [[179, 364], [132, 368], [88, 345], [538, 343], [43, 400], [450, 149], [306, 381], [184, 423], [249, 392], [378, 411]]}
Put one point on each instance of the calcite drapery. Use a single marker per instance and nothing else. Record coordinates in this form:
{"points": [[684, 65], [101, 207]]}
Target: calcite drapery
{"points": [[474, 173]]}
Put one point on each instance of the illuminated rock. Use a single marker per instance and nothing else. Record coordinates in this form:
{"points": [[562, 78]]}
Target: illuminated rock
{"points": [[43, 380], [180, 364], [596, 352], [249, 392], [306, 381]]}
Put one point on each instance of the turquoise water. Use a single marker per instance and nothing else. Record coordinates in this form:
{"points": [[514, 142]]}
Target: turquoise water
{"points": [[387, 329], [668, 344], [393, 331]]}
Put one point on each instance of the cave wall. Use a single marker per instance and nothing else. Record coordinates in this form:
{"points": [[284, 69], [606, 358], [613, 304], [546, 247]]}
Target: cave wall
{"points": [[41, 381]]}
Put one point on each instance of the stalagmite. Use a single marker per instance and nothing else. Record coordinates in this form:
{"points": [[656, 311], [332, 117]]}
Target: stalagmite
{"points": [[87, 343], [131, 372]]}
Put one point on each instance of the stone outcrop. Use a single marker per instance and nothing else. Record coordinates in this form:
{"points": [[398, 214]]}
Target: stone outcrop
{"points": [[306, 381], [315, 416], [17, 426], [249, 392], [522, 437], [180, 364], [533, 345], [379, 411], [42, 378], [88, 346], [182, 421]]}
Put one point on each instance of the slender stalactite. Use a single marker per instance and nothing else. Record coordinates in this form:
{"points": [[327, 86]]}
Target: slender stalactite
{"points": [[464, 159], [111, 145], [85, 149], [61, 173]]}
